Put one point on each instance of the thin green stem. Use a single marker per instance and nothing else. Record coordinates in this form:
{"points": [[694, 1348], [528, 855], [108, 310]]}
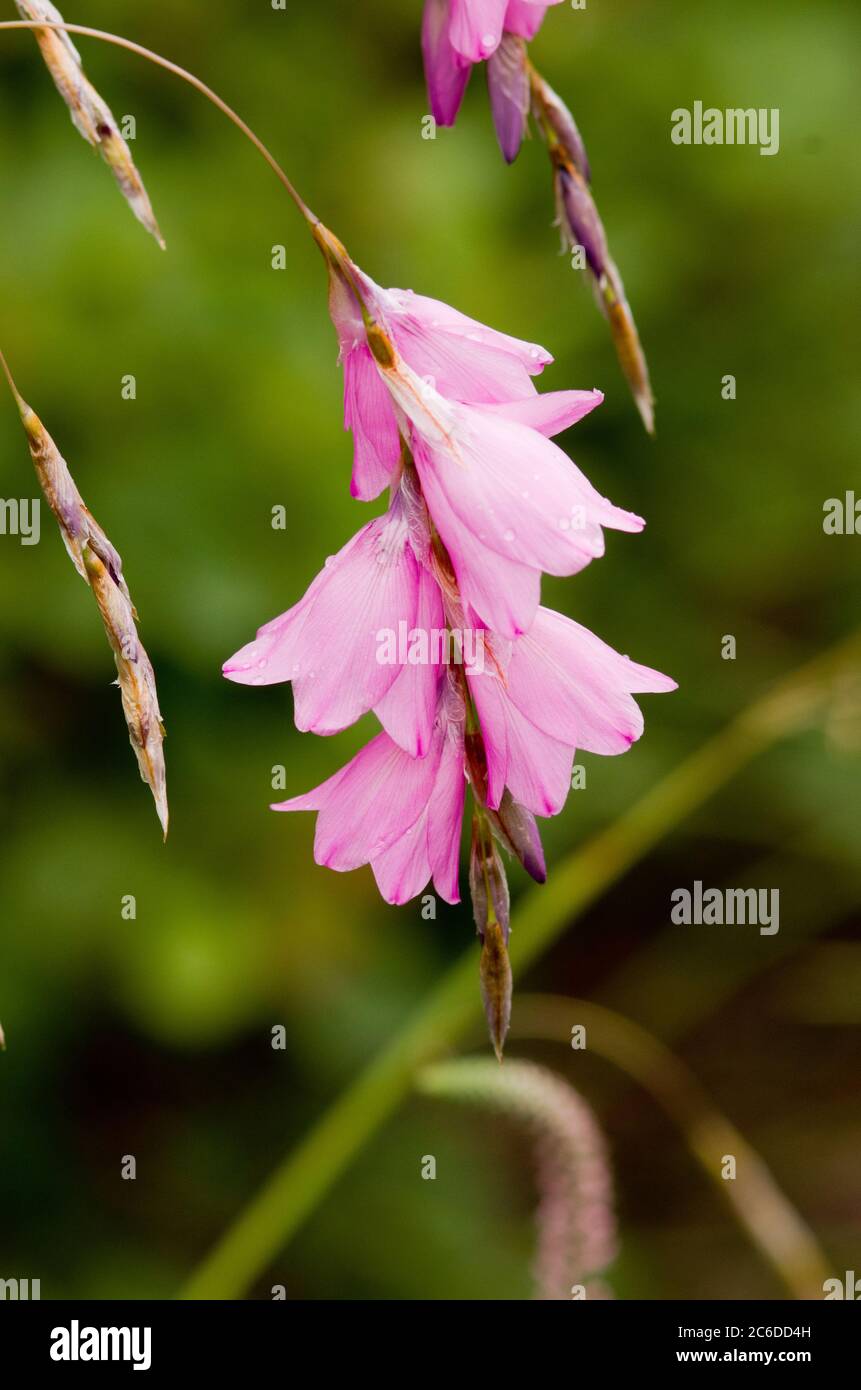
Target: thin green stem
{"points": [[307, 1174], [9, 377], [119, 42]]}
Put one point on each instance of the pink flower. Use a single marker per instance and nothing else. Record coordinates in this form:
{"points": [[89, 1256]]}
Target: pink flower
{"points": [[399, 814], [329, 643], [506, 501], [456, 34], [464, 360], [542, 697], [557, 689]]}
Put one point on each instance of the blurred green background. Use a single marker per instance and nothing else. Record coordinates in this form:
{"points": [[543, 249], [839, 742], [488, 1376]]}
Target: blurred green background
{"points": [[152, 1037]]}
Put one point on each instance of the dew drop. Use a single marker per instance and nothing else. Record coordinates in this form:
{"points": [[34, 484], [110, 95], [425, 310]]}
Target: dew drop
{"points": [[508, 535]]}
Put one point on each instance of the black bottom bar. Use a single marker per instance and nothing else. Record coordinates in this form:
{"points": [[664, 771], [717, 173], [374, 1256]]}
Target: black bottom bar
{"points": [[88, 1339]]}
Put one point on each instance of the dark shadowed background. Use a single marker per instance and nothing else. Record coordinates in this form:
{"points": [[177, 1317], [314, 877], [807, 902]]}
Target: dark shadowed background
{"points": [[151, 1036]]}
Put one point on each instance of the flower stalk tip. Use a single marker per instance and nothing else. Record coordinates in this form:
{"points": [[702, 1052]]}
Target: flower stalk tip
{"points": [[135, 677], [496, 985]]}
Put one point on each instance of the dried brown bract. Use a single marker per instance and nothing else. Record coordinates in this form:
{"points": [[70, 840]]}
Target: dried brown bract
{"points": [[90, 114], [97, 562]]}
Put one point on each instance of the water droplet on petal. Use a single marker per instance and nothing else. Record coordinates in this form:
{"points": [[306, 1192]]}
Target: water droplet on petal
{"points": [[508, 535]]}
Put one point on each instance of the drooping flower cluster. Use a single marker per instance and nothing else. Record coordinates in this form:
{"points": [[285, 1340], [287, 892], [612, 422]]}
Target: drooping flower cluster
{"points": [[457, 34], [431, 617]]}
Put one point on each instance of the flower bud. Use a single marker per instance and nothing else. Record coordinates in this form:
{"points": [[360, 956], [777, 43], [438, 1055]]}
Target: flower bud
{"points": [[581, 225], [508, 85], [560, 124], [488, 885], [517, 830]]}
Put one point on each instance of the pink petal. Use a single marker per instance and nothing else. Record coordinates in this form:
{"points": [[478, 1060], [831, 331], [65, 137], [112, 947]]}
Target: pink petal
{"points": [[369, 413], [508, 85], [534, 766], [550, 413], [328, 643], [476, 27], [515, 491], [462, 358], [403, 870], [445, 817], [502, 593], [431, 847], [370, 804], [408, 709], [525, 17], [572, 685], [447, 73]]}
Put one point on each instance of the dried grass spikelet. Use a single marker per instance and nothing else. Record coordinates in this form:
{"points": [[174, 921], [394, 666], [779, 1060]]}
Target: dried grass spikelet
{"points": [[575, 1220], [91, 115], [580, 225], [99, 564]]}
